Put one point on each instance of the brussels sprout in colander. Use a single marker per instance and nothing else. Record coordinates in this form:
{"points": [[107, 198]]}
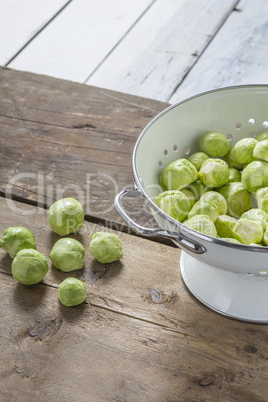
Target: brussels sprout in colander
{"points": [[178, 174], [174, 203], [214, 173], [214, 144], [261, 150], [243, 150]]}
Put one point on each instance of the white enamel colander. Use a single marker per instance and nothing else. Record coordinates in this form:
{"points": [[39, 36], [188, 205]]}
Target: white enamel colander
{"points": [[231, 279]]}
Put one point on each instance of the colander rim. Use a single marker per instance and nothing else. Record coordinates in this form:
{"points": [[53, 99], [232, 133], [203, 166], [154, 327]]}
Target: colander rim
{"points": [[182, 228]]}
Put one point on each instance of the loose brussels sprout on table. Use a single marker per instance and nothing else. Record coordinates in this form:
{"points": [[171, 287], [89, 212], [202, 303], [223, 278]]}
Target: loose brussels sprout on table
{"points": [[15, 239], [67, 255], [223, 184], [106, 247], [66, 216], [29, 267], [72, 292]]}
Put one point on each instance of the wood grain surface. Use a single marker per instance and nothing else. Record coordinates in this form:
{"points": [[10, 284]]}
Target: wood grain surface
{"points": [[236, 54], [62, 139], [140, 335]]}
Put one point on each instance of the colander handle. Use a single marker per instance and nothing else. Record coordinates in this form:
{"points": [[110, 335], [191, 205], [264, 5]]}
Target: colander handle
{"points": [[185, 243]]}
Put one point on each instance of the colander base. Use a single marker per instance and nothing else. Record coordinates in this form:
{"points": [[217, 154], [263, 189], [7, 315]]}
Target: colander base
{"points": [[233, 295]]}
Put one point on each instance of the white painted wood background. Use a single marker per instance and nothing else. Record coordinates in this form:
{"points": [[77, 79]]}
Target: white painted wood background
{"points": [[161, 49]]}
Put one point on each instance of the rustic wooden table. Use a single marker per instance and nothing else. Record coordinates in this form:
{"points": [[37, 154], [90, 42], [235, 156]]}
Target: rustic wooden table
{"points": [[140, 335]]}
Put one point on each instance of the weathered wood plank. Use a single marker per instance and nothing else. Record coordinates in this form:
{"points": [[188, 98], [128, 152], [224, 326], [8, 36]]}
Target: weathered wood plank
{"points": [[161, 48], [21, 20], [64, 139], [138, 318], [236, 56], [78, 40]]}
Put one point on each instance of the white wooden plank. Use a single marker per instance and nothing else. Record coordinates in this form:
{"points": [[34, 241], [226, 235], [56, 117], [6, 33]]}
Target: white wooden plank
{"points": [[237, 55], [20, 20], [162, 46], [77, 41]]}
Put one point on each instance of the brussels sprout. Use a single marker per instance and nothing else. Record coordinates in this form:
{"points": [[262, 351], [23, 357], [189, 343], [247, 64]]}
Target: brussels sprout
{"points": [[106, 247], [203, 224], [66, 216], [248, 231], [214, 144], [261, 150], [234, 175], [217, 200], [255, 214], [197, 188], [29, 266], [224, 225], [72, 292], [178, 174], [214, 173], [238, 198], [255, 175], [198, 159], [231, 160], [231, 240], [67, 255], [204, 208], [262, 136], [243, 150], [261, 197], [175, 203], [265, 236], [15, 239], [190, 196]]}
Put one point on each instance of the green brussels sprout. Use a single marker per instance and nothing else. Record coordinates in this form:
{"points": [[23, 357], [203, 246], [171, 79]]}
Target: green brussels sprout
{"points": [[106, 247], [231, 160], [231, 240], [214, 173], [175, 203], [248, 231], [197, 188], [178, 174], [214, 144], [190, 196], [262, 136], [265, 236], [217, 200], [203, 224], [255, 175], [72, 292], [66, 216], [261, 150], [238, 198], [204, 208], [15, 239], [224, 225], [243, 150], [255, 214], [261, 197], [67, 255], [29, 266], [234, 175], [198, 159]]}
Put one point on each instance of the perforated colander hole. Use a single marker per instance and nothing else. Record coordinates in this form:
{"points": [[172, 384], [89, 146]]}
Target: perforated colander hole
{"points": [[251, 122], [265, 124], [160, 163], [166, 152], [252, 135], [186, 151], [175, 148], [229, 137], [238, 126], [263, 272], [249, 274]]}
